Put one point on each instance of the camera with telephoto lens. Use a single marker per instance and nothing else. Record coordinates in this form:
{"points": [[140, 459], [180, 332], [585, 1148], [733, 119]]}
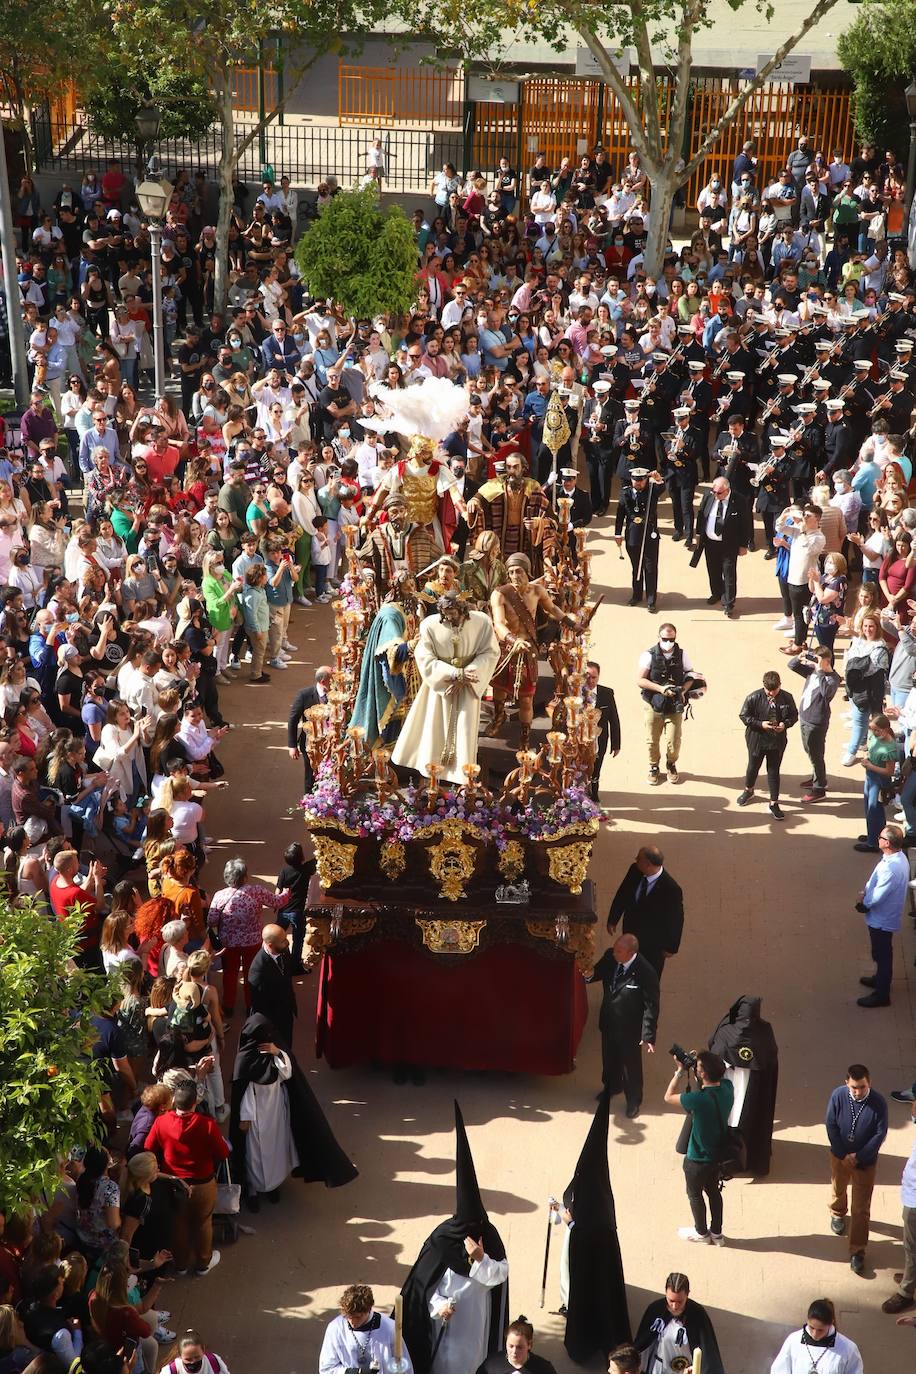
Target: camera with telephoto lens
{"points": [[684, 1058]]}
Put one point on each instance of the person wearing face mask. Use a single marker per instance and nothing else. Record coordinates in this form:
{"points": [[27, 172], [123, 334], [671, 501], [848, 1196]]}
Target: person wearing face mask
{"points": [[818, 1346], [665, 677], [712, 205], [194, 1357]]}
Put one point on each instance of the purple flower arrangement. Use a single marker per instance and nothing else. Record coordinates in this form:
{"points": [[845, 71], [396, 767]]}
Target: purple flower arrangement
{"points": [[405, 817]]}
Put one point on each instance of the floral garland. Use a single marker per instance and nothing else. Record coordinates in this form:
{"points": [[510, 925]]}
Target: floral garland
{"points": [[404, 818]]}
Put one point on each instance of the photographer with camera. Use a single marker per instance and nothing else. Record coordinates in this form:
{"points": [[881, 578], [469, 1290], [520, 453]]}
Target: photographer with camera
{"points": [[666, 680], [709, 1105], [821, 683]]}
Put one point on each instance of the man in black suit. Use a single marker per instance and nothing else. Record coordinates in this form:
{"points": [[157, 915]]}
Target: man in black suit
{"points": [[602, 697], [629, 1018], [724, 531], [651, 905], [315, 695], [270, 983]]}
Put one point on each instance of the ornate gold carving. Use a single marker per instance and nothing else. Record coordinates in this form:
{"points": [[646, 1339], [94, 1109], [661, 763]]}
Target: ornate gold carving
{"points": [[452, 860], [512, 861], [579, 941], [324, 933], [317, 940], [335, 861], [451, 937], [392, 860], [567, 864]]}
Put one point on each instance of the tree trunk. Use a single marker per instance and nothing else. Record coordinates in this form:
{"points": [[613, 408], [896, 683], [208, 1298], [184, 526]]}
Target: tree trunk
{"points": [[227, 165], [664, 181]]}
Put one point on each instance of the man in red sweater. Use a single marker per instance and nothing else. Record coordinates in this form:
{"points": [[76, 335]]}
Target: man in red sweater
{"points": [[190, 1146]]}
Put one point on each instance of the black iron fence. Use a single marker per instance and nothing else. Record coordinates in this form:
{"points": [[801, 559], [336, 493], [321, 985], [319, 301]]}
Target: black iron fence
{"points": [[307, 153]]}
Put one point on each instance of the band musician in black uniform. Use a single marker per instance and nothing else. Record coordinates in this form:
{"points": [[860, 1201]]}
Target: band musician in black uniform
{"points": [[679, 453], [839, 446], [637, 512], [633, 444], [773, 489], [735, 451], [597, 433], [807, 453]]}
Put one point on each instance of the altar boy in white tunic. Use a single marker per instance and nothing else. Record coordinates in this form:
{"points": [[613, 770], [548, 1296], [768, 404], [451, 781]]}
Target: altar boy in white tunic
{"points": [[818, 1346], [456, 1294], [360, 1338]]}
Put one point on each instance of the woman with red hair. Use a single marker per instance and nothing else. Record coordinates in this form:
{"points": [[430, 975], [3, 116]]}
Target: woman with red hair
{"points": [[148, 923]]}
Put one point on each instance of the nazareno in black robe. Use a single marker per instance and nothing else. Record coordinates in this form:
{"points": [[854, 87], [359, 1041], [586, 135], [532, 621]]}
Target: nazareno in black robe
{"points": [[699, 1328], [596, 1310], [744, 1040], [444, 1249], [321, 1159]]}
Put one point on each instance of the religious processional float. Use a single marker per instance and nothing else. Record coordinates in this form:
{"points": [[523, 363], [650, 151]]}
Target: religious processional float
{"points": [[442, 864]]}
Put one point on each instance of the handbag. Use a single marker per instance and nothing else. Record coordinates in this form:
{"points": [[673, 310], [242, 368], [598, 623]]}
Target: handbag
{"points": [[876, 228], [732, 1151], [228, 1194]]}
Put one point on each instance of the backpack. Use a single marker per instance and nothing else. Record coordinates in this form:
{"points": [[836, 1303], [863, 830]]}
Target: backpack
{"points": [[732, 1153]]}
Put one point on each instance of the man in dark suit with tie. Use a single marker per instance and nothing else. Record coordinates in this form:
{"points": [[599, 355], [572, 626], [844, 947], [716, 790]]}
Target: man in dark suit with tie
{"points": [[597, 695], [724, 532], [270, 983], [295, 728], [628, 1019], [651, 905]]}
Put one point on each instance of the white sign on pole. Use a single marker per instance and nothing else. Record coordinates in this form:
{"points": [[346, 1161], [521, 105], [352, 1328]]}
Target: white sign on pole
{"points": [[496, 92], [587, 65], [795, 69]]}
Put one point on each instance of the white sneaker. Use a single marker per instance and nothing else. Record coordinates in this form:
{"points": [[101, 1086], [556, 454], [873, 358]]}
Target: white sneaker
{"points": [[717, 1239], [214, 1261], [281, 653], [784, 623], [788, 634], [691, 1233], [325, 599], [290, 648], [163, 1335], [279, 663]]}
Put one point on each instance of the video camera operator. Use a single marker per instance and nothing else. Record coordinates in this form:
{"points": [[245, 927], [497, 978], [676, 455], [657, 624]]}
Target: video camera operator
{"points": [[709, 1105], [667, 680]]}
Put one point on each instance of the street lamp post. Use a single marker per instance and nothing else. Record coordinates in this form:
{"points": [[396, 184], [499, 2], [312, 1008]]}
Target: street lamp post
{"points": [[153, 196], [910, 96]]}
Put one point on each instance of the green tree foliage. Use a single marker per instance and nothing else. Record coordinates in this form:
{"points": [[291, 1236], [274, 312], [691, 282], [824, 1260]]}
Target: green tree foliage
{"points": [[659, 31], [364, 257], [879, 52], [186, 107], [49, 1086], [210, 41]]}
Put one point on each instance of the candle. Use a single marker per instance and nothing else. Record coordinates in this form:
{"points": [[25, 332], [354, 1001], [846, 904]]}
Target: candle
{"points": [[433, 771], [398, 1322], [355, 735], [555, 743]]}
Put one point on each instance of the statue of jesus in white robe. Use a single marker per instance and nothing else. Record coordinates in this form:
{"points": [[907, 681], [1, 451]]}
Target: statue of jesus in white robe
{"points": [[456, 655]]}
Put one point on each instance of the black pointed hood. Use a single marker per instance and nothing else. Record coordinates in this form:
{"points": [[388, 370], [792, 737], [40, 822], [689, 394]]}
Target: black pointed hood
{"points": [[469, 1208], [444, 1249], [597, 1316]]}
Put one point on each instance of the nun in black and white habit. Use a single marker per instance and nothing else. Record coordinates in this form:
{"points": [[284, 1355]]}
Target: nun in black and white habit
{"points": [[747, 1044], [455, 1301], [276, 1125]]}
